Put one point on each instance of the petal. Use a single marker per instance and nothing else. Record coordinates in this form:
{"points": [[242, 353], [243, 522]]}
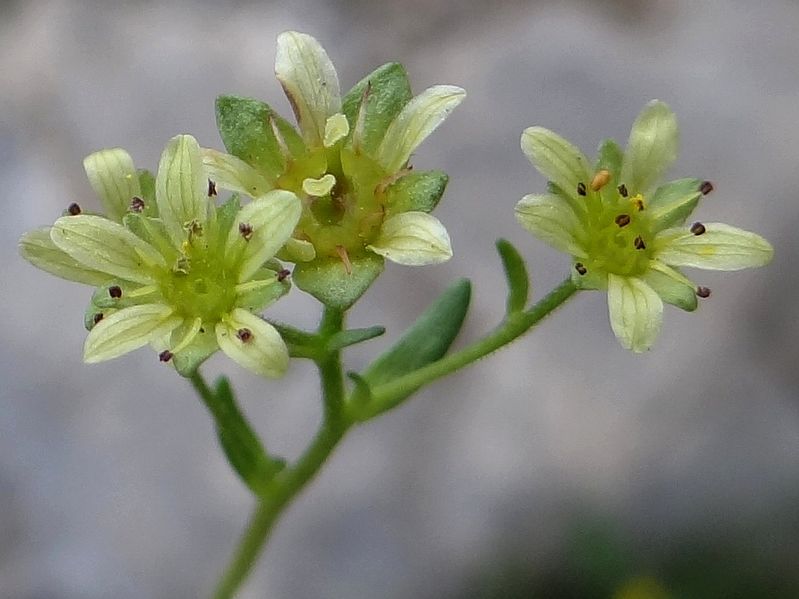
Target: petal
{"points": [[636, 312], [272, 219], [297, 250], [673, 202], [672, 287], [103, 245], [651, 149], [552, 220], [720, 247], [127, 330], [234, 174], [181, 187], [38, 249], [558, 160], [418, 119], [413, 239], [114, 179], [253, 343], [310, 82]]}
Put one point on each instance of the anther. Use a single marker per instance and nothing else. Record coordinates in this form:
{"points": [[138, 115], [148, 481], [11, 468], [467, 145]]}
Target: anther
{"points": [[281, 275], [211, 188], [600, 179], [73, 209], [698, 228], [97, 317], [706, 187], [136, 204], [580, 268], [115, 291], [581, 189], [623, 220], [639, 244], [165, 356], [622, 190], [638, 202], [244, 335], [703, 292], [245, 229]]}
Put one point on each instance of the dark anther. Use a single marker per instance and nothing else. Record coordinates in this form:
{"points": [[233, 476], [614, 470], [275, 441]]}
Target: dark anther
{"points": [[623, 190], [211, 188], [703, 292], [202, 329], [281, 275], [623, 220], [244, 335], [706, 187], [580, 268], [165, 356], [73, 209], [98, 317], [246, 230], [136, 204], [581, 188], [639, 244], [115, 291], [698, 228]]}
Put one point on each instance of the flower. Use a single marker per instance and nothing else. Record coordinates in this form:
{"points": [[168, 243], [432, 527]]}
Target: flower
{"points": [[626, 234], [172, 268], [348, 162]]}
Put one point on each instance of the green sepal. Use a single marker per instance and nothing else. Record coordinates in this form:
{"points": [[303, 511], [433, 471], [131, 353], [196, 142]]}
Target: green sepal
{"points": [[609, 158], [241, 445], [416, 192], [427, 340], [245, 129], [202, 347], [328, 281], [226, 214], [90, 317], [349, 337], [149, 229], [147, 186], [102, 298], [516, 275], [389, 92], [673, 202], [261, 297]]}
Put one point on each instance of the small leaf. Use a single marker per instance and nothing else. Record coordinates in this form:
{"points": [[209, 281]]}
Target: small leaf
{"points": [[353, 336], [328, 280], [516, 274], [416, 192], [362, 393]]}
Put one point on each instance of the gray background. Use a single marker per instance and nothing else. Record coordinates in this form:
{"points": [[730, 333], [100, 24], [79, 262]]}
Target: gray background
{"points": [[111, 483]]}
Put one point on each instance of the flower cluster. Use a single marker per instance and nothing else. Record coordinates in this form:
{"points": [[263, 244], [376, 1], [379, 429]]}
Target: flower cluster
{"points": [[625, 233]]}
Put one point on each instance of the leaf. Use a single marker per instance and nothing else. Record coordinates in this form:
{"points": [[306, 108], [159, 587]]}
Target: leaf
{"points": [[516, 275], [328, 280], [353, 336], [416, 192]]}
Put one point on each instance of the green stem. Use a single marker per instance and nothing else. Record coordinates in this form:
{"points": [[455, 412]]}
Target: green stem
{"points": [[389, 395]]}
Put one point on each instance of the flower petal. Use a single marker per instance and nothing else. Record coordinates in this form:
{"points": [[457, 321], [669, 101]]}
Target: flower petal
{"points": [[418, 119], [127, 330], [271, 220], [233, 174], [114, 179], [310, 82], [636, 312], [253, 343], [552, 220], [38, 249], [297, 250], [720, 247], [413, 239], [181, 187], [103, 245], [672, 287], [558, 160], [673, 202], [651, 149]]}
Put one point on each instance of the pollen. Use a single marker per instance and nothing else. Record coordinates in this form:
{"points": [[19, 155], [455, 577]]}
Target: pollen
{"points": [[703, 292], [580, 268], [244, 335], [136, 204], [245, 230], [165, 356], [698, 228], [706, 187], [73, 209]]}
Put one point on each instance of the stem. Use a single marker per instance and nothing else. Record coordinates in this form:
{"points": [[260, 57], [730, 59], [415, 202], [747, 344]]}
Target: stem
{"points": [[389, 395], [287, 484]]}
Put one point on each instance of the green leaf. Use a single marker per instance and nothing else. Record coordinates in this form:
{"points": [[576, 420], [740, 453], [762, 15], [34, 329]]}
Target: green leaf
{"points": [[516, 274], [353, 336], [147, 185], [245, 127], [427, 340], [241, 445], [416, 192], [389, 92], [328, 281]]}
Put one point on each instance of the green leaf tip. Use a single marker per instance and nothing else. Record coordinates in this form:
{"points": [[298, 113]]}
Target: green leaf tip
{"points": [[516, 275]]}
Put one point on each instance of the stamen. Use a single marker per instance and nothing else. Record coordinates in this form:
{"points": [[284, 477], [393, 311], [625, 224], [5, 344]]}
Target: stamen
{"points": [[698, 228], [638, 202], [336, 128], [136, 204], [211, 188], [600, 179], [706, 187], [97, 317], [622, 190], [639, 244], [581, 189], [342, 253], [165, 356], [580, 268], [703, 292], [73, 209], [115, 291], [244, 335], [623, 220], [245, 230], [281, 275]]}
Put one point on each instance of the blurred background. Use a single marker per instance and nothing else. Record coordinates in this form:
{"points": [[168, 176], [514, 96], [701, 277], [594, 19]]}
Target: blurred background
{"points": [[563, 467]]}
